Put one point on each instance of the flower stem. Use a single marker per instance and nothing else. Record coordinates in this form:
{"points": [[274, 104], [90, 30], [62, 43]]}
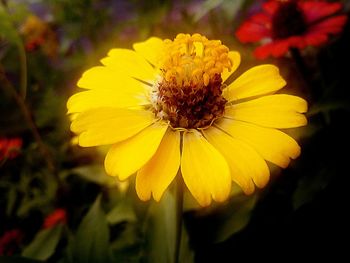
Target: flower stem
{"points": [[8, 87], [23, 65], [179, 208], [21, 56], [304, 72]]}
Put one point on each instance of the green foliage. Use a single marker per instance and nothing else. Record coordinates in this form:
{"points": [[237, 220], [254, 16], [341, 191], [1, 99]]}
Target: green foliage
{"points": [[17, 260], [161, 230], [106, 223], [121, 212], [44, 243], [95, 174], [234, 218], [8, 31], [91, 241]]}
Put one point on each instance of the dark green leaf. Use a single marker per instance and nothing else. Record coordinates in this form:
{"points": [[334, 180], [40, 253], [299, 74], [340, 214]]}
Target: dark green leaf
{"points": [[123, 211], [309, 186], [95, 174], [127, 246], [186, 253], [91, 243], [11, 200], [231, 7], [206, 7], [16, 259], [236, 218], [44, 243], [161, 230], [7, 30]]}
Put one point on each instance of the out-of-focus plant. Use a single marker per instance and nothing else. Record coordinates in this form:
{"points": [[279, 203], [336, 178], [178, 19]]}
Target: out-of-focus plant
{"points": [[57, 203]]}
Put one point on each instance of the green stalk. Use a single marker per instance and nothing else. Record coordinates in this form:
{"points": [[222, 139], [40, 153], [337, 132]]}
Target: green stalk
{"points": [[8, 87], [179, 212], [23, 70]]}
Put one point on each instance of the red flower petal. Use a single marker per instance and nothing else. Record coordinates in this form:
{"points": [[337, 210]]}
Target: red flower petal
{"points": [[317, 10], [9, 242], [316, 39], [255, 29], [331, 25], [279, 48], [264, 51], [56, 217], [270, 7], [10, 148]]}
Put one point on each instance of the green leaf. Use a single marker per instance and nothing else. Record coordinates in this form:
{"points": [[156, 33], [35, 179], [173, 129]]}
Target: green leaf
{"points": [[221, 221], [235, 218], [95, 174], [309, 186], [161, 230], [16, 259], [127, 247], [123, 211], [231, 8], [206, 7], [11, 200], [91, 243], [7, 30], [44, 244], [186, 253]]}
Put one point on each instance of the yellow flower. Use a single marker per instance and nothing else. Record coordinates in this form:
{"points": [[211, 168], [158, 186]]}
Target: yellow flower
{"points": [[167, 106]]}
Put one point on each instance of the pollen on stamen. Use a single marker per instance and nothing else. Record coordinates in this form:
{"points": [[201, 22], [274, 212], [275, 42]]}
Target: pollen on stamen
{"points": [[189, 91]]}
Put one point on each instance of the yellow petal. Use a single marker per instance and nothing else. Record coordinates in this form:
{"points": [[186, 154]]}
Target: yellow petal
{"points": [[273, 145], [245, 163], [109, 125], [108, 79], [236, 61], [130, 63], [91, 99], [151, 49], [204, 170], [157, 174], [128, 156], [256, 81], [275, 111]]}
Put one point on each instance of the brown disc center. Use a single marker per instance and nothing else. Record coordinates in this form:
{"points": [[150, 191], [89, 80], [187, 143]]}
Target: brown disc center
{"points": [[288, 20], [190, 107]]}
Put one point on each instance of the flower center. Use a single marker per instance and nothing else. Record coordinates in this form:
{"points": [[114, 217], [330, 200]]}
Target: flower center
{"points": [[288, 20], [189, 92]]}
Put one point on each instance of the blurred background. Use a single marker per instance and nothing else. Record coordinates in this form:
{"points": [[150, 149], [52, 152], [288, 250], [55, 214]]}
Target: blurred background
{"points": [[58, 205]]}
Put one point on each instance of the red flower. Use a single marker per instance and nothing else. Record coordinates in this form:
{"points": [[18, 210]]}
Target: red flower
{"points": [[9, 242], [286, 24], [9, 148], [38, 34], [56, 217]]}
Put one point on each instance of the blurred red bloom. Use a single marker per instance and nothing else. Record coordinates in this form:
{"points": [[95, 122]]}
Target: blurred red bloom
{"points": [[10, 148], [9, 242], [38, 34], [285, 24], [56, 217]]}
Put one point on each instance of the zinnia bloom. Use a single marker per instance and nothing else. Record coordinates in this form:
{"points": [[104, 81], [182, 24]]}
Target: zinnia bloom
{"points": [[59, 216], [38, 34], [291, 24], [10, 148], [9, 242], [167, 105]]}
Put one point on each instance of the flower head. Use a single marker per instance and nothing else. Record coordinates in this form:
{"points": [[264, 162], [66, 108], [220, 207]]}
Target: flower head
{"points": [[38, 34], [10, 148], [9, 242], [285, 24], [56, 217], [167, 106]]}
